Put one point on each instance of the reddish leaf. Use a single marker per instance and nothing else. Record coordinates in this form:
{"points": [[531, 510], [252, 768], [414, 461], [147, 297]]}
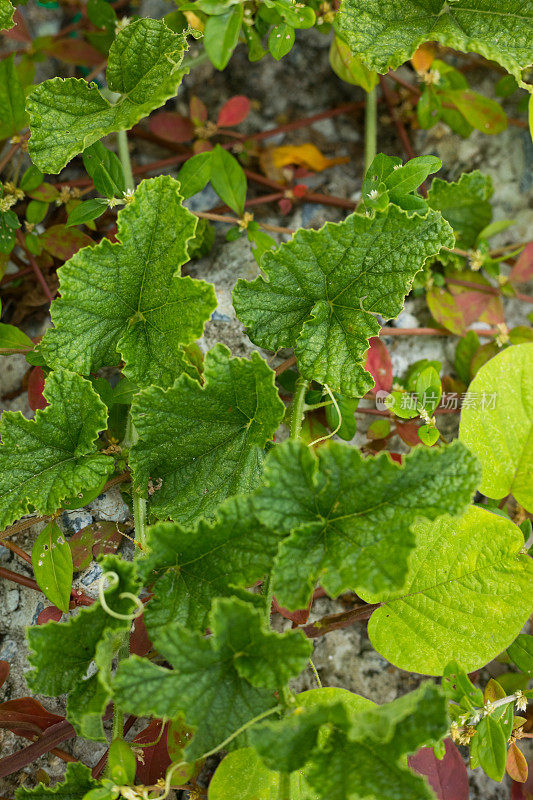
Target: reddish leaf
{"points": [[49, 614], [172, 127], [197, 110], [516, 764], [93, 541], [35, 389], [456, 312], [407, 431], [63, 242], [398, 456], [522, 272], [299, 617], [523, 791], [234, 111], [285, 205], [46, 192], [140, 643], [201, 146], [75, 51], [379, 364], [26, 717], [448, 778], [156, 758], [5, 667], [300, 190]]}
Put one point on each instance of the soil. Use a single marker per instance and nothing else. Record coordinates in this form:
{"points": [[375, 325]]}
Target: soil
{"points": [[300, 85]]}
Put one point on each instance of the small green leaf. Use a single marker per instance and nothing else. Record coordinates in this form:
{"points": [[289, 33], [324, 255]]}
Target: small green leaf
{"points": [[349, 67], [429, 389], [36, 211], [489, 747], [201, 444], [104, 167], [31, 179], [121, 762], [133, 305], [52, 565], [281, 40], [457, 686], [78, 782], [407, 178], [195, 174], [222, 34], [12, 95], [13, 339], [323, 288], [464, 353], [497, 423], [68, 115], [40, 465], [87, 211], [428, 435], [228, 179], [480, 112], [466, 598]]}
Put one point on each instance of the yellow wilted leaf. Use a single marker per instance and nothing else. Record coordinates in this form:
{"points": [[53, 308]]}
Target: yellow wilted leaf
{"points": [[273, 159], [423, 57], [194, 21]]}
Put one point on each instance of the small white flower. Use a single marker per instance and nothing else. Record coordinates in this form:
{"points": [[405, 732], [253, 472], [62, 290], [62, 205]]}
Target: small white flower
{"points": [[373, 194], [521, 701]]}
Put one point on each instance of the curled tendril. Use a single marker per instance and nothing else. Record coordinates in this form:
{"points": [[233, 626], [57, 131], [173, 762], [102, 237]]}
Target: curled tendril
{"points": [[113, 578], [337, 409]]}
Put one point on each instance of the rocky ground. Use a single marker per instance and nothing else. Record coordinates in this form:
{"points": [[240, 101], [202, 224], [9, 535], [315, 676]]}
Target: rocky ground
{"points": [[300, 85]]}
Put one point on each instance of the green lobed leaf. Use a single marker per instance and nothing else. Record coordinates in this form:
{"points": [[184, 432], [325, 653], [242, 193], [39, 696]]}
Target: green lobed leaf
{"points": [[12, 96], [127, 299], [466, 598], [68, 115], [51, 560], [497, 424], [385, 33], [54, 456], [347, 519], [324, 287], [72, 645], [78, 781], [464, 204], [219, 683], [199, 444], [357, 755], [193, 567]]}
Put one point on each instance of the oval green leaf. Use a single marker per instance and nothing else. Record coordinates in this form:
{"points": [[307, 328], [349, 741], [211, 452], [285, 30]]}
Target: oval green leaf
{"points": [[51, 559], [466, 598], [497, 424]]}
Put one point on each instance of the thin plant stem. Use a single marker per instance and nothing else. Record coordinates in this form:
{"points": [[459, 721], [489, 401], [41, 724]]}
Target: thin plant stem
{"points": [[371, 126], [284, 786], [124, 155], [317, 676], [298, 408]]}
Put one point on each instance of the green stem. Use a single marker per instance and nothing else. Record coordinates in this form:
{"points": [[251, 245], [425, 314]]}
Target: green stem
{"points": [[124, 155], [266, 591], [298, 408], [371, 126]]}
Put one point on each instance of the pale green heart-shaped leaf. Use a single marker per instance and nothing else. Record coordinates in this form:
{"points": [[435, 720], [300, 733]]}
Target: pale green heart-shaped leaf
{"points": [[200, 444], [385, 33], [52, 457], [68, 115], [324, 287], [51, 559], [128, 299], [497, 424], [467, 596]]}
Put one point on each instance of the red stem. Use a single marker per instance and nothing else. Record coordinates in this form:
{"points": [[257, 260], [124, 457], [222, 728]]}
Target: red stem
{"points": [[35, 267]]}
